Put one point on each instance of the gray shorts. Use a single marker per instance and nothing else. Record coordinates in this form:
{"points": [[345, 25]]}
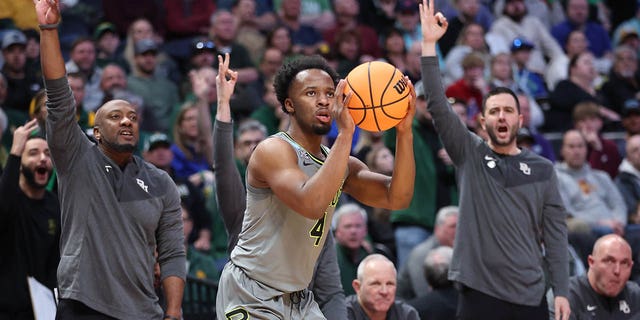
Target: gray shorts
{"points": [[240, 297]]}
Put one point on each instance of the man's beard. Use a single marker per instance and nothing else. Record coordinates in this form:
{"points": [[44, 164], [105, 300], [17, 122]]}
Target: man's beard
{"points": [[124, 148], [494, 138], [30, 178], [321, 130]]}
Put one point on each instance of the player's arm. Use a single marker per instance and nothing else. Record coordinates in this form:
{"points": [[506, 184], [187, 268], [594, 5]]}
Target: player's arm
{"points": [[381, 191], [48, 14], [274, 164]]}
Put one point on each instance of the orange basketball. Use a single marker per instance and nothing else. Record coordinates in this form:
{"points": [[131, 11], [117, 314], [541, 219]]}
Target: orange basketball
{"points": [[380, 95]]}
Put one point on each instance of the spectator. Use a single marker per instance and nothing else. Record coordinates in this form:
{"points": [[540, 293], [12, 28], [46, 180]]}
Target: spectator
{"points": [[347, 13], [375, 297], [187, 19], [123, 14], [77, 83], [394, 50], [577, 12], [160, 94], [408, 22], [528, 81], [471, 40], [21, 83], [248, 31], [157, 151], [201, 265], [349, 225], [248, 135], [539, 144], [304, 37], [223, 33], [549, 14], [605, 292], [347, 52], [270, 114], [568, 93], [631, 117], [516, 22], [107, 44], [141, 28], [30, 220], [628, 180], [412, 282], [415, 223], [113, 79], [471, 87], [442, 301], [602, 153], [315, 13], [468, 12], [83, 60], [589, 195], [280, 38], [624, 79]]}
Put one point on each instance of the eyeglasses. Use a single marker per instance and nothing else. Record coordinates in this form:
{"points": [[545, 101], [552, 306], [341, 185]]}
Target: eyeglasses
{"points": [[203, 45], [248, 143]]}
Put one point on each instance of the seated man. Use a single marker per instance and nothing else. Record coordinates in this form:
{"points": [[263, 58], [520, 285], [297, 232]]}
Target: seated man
{"points": [[441, 302], [589, 195], [350, 229], [375, 296], [605, 292], [411, 280]]}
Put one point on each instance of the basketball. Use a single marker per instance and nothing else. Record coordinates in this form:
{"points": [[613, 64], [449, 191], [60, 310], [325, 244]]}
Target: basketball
{"points": [[380, 95]]}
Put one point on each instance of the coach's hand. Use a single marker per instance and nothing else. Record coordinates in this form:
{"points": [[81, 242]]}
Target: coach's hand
{"points": [[562, 308]]}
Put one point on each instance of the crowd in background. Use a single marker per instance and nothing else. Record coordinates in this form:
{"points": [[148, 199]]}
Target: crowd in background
{"points": [[573, 64]]}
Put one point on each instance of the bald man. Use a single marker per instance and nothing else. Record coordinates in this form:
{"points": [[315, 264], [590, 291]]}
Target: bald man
{"points": [[117, 209], [605, 292]]}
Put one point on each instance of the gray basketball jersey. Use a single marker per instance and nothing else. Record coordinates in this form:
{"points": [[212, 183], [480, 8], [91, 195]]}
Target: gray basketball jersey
{"points": [[277, 246]]}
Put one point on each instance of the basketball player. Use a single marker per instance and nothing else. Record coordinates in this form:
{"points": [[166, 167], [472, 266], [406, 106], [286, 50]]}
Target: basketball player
{"points": [[293, 185], [511, 216]]}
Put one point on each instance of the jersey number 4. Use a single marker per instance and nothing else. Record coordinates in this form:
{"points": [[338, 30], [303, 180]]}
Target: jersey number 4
{"points": [[318, 230]]}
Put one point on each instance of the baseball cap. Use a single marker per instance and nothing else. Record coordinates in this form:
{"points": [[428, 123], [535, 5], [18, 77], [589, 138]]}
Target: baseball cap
{"points": [[524, 135], [201, 45], [631, 106], [12, 37], [103, 28], [145, 45], [628, 32], [521, 44], [407, 6], [156, 140]]}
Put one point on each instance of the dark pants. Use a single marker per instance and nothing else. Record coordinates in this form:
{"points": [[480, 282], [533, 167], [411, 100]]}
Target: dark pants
{"points": [[74, 310], [474, 304]]}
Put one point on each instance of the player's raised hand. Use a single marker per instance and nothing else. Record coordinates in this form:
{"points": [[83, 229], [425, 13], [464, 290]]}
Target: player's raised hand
{"points": [[224, 86], [433, 25], [406, 123], [47, 11], [339, 111], [21, 135]]}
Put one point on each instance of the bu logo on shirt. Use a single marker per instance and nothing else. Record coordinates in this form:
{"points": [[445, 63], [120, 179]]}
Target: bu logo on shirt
{"points": [[142, 185], [624, 307], [525, 168]]}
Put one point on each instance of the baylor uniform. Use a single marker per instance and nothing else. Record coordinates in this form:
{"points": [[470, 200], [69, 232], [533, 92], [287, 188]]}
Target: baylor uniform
{"points": [[586, 304], [273, 262]]}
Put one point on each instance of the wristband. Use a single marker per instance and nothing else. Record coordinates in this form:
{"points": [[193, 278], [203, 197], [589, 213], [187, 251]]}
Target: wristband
{"points": [[170, 317], [49, 26]]}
